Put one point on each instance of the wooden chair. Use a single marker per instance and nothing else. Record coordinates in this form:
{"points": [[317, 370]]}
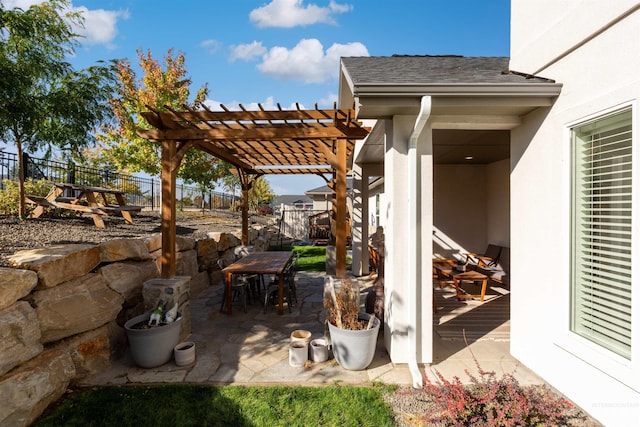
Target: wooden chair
{"points": [[488, 259]]}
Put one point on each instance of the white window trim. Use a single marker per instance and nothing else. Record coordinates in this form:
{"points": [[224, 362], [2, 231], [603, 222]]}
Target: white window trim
{"points": [[624, 370]]}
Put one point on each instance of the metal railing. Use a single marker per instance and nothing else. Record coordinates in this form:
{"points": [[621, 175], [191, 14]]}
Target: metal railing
{"points": [[140, 191]]}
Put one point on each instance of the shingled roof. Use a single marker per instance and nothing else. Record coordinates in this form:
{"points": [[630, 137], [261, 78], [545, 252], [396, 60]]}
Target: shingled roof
{"points": [[426, 69]]}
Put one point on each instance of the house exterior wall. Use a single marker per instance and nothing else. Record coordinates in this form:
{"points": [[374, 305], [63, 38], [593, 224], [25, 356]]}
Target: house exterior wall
{"points": [[597, 76]]}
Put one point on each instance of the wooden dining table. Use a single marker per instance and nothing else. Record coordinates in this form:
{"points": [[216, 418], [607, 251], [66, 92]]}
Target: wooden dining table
{"points": [[270, 262]]}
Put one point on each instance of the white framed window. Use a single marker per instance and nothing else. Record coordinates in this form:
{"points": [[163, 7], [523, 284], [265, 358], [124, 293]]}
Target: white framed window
{"points": [[601, 232]]}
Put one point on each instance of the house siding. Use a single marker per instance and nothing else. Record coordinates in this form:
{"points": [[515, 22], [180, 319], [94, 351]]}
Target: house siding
{"points": [[598, 76]]}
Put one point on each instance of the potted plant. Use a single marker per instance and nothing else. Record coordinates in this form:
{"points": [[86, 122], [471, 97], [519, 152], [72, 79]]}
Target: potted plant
{"points": [[153, 335], [353, 333]]}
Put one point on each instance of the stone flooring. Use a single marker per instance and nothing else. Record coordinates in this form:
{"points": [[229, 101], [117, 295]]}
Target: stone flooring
{"points": [[253, 348]]}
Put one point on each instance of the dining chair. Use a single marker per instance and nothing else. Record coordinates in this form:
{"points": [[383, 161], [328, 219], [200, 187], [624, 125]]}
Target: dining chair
{"points": [[239, 287], [256, 281], [289, 289]]}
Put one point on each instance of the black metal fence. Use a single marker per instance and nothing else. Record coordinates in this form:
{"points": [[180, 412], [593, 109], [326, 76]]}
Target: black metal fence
{"points": [[140, 191]]}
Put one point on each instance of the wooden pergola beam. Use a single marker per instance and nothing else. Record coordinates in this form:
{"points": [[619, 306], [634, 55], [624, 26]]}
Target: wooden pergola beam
{"points": [[256, 143]]}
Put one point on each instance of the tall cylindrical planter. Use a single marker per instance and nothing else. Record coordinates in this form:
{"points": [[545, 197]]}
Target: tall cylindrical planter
{"points": [[354, 350], [298, 354], [301, 335], [154, 346], [319, 350]]}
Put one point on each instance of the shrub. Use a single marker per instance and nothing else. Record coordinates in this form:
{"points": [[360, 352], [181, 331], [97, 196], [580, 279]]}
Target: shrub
{"points": [[9, 197], [265, 210], [492, 401]]}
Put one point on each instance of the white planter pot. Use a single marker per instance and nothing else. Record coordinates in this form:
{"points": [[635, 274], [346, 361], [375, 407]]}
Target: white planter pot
{"points": [[319, 350], [298, 354], [154, 346], [354, 350], [184, 353], [301, 335]]}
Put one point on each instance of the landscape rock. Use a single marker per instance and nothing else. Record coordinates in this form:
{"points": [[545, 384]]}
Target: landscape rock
{"points": [[126, 278], [57, 264], [75, 306], [15, 284], [121, 249], [19, 336], [90, 351], [29, 389]]}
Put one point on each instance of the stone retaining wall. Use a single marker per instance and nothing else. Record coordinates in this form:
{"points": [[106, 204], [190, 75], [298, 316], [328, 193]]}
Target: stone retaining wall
{"points": [[63, 308]]}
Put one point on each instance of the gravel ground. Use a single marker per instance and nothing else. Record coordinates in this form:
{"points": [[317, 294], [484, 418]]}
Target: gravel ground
{"points": [[16, 235], [409, 405]]}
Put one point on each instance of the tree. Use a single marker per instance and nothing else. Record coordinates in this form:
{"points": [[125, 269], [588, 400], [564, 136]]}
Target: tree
{"points": [[260, 192], [44, 102], [160, 89]]}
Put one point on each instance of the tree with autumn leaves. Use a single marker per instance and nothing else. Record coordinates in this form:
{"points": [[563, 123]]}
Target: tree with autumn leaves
{"points": [[161, 89]]}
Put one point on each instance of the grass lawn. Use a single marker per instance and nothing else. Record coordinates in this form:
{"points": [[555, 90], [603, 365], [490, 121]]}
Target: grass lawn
{"points": [[201, 405], [312, 258]]}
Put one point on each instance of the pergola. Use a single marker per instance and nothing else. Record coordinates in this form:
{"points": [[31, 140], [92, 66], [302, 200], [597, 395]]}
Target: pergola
{"points": [[256, 142]]}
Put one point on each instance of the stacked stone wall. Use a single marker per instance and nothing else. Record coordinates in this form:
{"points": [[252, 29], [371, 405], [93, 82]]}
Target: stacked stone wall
{"points": [[63, 308]]}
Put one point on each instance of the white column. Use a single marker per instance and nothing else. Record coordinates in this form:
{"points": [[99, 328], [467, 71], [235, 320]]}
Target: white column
{"points": [[360, 220], [408, 242], [394, 216]]}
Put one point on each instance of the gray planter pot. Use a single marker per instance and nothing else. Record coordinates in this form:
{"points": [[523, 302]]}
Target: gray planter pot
{"points": [[354, 350], [152, 347]]}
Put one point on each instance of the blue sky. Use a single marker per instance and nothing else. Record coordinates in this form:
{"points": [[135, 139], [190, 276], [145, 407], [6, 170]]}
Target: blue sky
{"points": [[284, 51]]}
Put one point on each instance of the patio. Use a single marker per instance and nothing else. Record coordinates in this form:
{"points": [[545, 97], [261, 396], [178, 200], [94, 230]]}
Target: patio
{"points": [[252, 347]]}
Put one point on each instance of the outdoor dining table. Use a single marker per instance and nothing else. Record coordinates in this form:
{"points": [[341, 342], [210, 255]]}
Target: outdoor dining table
{"points": [[270, 262]]}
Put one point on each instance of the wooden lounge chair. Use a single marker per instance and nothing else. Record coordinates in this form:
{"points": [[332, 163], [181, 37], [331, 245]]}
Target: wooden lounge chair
{"points": [[488, 259], [499, 270]]}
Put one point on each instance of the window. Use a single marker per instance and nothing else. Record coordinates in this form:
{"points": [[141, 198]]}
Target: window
{"points": [[602, 232]]}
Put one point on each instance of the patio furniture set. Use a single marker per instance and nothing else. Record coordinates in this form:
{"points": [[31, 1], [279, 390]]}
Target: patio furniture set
{"points": [[247, 274], [493, 264]]}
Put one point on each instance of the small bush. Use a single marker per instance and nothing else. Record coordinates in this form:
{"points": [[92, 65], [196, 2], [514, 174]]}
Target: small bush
{"points": [[265, 210], [9, 197], [492, 401]]}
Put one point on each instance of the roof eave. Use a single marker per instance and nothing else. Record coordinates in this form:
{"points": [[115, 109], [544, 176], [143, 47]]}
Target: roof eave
{"points": [[457, 89]]}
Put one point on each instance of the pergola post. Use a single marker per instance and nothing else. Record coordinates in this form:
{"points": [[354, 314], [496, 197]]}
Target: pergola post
{"points": [[168, 225], [246, 183]]}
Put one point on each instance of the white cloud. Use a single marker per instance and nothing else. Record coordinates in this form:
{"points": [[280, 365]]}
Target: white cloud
{"points": [[307, 61], [247, 52], [293, 13], [100, 26], [267, 104], [211, 46], [328, 101]]}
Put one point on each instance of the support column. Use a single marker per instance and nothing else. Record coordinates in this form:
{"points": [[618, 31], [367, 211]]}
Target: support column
{"points": [[361, 214], [168, 225], [246, 183], [360, 221], [341, 208]]}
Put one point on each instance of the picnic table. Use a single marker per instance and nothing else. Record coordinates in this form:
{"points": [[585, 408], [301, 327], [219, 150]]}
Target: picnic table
{"points": [[84, 199]]}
